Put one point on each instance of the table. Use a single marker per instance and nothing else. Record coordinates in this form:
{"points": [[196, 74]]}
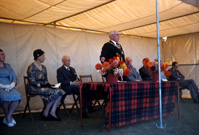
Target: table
{"points": [[130, 102]]}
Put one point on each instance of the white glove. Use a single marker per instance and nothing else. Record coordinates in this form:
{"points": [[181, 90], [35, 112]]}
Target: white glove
{"points": [[4, 86], [12, 85]]}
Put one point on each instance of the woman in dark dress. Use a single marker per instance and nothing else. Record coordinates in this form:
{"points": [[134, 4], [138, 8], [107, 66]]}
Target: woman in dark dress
{"points": [[39, 85]]}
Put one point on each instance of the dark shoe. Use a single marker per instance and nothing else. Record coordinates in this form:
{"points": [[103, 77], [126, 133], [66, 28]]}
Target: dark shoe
{"points": [[84, 115], [45, 118], [195, 101], [90, 110], [54, 118]]}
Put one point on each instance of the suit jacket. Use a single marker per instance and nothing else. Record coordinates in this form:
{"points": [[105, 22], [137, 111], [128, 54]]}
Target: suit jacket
{"points": [[145, 74], [175, 75], [109, 50], [133, 76], [65, 76]]}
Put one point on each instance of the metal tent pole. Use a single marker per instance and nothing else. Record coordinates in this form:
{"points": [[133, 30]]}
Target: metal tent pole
{"points": [[160, 90]]}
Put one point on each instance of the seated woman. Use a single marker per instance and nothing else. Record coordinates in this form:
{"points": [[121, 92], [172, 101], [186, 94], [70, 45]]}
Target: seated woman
{"points": [[39, 85], [9, 96]]}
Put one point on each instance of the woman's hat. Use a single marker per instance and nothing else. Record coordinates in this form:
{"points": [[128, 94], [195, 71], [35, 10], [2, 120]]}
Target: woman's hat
{"points": [[37, 53]]}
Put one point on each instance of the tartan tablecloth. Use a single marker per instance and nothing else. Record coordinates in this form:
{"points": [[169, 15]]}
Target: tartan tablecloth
{"points": [[135, 101]]}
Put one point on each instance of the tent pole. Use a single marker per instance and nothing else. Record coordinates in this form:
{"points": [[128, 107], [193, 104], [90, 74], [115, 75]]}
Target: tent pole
{"points": [[160, 90]]}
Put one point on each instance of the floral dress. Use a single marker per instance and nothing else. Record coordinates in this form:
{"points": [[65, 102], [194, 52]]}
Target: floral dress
{"points": [[7, 76], [35, 76]]}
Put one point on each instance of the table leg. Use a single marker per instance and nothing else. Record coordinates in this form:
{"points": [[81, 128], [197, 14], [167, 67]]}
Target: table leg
{"points": [[80, 92], [178, 103], [110, 110]]}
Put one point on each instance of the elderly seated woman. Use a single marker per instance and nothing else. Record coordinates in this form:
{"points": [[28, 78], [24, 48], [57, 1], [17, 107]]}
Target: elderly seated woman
{"points": [[39, 85], [9, 96]]}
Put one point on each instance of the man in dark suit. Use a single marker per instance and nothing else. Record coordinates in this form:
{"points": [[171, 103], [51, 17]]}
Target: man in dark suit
{"points": [[144, 72], [184, 84], [66, 75], [112, 48]]}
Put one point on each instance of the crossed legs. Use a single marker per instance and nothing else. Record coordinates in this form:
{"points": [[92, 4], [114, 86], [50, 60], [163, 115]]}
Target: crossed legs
{"points": [[51, 108], [9, 108]]}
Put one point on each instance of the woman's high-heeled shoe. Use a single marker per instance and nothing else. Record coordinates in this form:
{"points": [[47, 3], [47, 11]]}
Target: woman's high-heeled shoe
{"points": [[5, 121], [8, 124], [45, 118], [11, 124], [54, 118], [13, 121]]}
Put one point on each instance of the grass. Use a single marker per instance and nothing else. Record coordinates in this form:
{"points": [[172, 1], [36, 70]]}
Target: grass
{"points": [[188, 124]]}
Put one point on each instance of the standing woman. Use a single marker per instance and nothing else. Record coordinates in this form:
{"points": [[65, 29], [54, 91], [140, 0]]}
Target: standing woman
{"points": [[9, 96], [39, 85]]}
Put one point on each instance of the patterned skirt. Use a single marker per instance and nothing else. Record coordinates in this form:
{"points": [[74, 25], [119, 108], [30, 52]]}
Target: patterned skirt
{"points": [[48, 95]]}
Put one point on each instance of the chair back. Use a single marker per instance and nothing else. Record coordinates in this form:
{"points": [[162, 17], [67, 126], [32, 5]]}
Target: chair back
{"points": [[26, 83], [86, 78], [27, 87]]}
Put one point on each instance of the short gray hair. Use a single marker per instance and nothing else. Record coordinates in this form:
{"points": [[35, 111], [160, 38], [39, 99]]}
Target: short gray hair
{"points": [[112, 33]]}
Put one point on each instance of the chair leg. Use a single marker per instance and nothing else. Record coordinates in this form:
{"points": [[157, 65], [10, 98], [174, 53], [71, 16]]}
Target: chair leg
{"points": [[43, 109], [66, 111], [75, 104], [30, 113], [28, 106], [62, 104], [25, 110], [28, 102]]}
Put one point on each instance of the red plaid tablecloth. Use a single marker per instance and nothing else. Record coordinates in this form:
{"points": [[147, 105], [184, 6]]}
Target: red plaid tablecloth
{"points": [[135, 101]]}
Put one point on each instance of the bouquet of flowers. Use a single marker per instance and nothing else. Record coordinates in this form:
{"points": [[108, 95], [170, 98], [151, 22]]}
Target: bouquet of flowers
{"points": [[113, 66], [153, 67]]}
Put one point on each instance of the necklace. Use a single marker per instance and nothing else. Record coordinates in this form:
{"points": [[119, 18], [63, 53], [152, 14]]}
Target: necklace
{"points": [[38, 66]]}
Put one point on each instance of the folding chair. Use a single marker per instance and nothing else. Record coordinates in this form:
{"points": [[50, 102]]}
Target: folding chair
{"points": [[62, 104], [28, 97], [86, 78], [76, 99]]}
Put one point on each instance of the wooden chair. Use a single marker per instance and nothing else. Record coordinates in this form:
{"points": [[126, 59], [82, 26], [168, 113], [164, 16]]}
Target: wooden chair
{"points": [[86, 78], [28, 97], [75, 104], [63, 104]]}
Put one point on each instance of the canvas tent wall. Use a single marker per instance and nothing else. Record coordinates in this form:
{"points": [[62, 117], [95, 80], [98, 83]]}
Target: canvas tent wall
{"points": [[185, 50]]}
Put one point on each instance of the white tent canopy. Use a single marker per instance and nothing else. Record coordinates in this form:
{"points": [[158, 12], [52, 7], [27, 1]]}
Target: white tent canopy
{"points": [[130, 17]]}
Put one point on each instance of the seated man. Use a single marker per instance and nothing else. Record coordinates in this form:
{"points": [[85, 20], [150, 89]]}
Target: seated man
{"points": [[66, 75], [134, 75], [144, 71], [184, 84]]}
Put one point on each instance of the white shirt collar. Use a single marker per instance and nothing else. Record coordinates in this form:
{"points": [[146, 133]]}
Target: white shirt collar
{"points": [[115, 43], [66, 67]]}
